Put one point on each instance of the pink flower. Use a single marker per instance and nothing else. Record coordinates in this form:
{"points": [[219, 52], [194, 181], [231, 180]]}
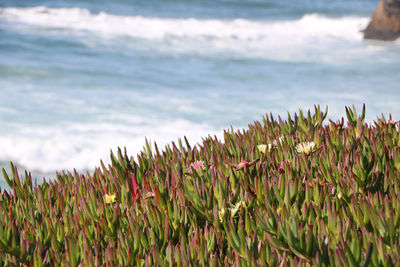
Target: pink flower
{"points": [[244, 164], [391, 122], [150, 194], [197, 165]]}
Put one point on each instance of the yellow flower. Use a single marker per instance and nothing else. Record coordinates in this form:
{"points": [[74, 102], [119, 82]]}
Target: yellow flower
{"points": [[305, 147], [263, 148], [221, 215], [110, 198]]}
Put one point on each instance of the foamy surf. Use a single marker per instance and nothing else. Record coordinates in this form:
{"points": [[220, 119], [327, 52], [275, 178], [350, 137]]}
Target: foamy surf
{"points": [[81, 146], [80, 19], [311, 33]]}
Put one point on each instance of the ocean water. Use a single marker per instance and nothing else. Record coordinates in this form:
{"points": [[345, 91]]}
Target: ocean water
{"points": [[80, 77]]}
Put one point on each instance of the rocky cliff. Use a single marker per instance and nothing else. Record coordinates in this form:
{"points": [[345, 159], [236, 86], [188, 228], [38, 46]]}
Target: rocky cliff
{"points": [[385, 22]]}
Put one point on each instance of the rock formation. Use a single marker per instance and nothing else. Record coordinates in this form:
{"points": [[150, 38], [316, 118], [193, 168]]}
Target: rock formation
{"points": [[385, 22]]}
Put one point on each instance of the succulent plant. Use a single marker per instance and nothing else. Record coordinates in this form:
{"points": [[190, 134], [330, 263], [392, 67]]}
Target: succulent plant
{"points": [[222, 202]]}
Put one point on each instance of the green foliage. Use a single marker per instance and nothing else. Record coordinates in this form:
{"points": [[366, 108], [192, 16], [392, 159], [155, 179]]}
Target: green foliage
{"points": [[334, 202]]}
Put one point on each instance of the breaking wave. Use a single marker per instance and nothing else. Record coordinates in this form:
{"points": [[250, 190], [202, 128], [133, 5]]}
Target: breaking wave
{"points": [[311, 34]]}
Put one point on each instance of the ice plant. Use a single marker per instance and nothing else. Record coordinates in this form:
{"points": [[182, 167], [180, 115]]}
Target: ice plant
{"points": [[275, 142], [134, 188], [280, 139], [305, 148], [340, 209], [110, 198]]}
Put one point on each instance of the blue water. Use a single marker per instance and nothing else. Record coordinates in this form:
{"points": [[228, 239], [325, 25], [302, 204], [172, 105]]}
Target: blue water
{"points": [[78, 78]]}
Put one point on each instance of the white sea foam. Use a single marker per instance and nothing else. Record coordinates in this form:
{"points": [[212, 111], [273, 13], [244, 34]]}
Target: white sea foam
{"points": [[309, 36], [81, 146], [78, 19]]}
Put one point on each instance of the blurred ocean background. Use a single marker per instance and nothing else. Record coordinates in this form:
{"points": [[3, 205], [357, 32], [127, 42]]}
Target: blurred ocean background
{"points": [[81, 77]]}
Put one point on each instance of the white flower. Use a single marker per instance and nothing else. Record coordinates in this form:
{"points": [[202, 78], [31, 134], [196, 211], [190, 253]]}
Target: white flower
{"points": [[236, 207], [263, 148], [268, 147], [305, 147]]}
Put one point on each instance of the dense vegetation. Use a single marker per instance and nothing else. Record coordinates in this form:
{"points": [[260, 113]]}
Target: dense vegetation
{"points": [[294, 192]]}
